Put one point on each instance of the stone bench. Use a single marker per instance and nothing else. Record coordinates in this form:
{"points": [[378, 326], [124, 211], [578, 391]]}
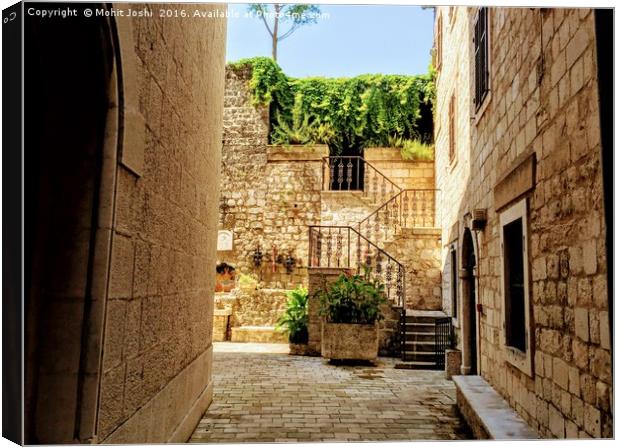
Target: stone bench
{"points": [[257, 334], [488, 415]]}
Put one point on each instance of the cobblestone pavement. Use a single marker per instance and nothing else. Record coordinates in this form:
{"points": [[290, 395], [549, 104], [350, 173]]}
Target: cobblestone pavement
{"points": [[268, 396]]}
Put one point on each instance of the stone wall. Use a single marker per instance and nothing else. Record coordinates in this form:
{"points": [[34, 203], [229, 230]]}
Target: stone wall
{"points": [[157, 350], [405, 173], [543, 106], [418, 249], [269, 195]]}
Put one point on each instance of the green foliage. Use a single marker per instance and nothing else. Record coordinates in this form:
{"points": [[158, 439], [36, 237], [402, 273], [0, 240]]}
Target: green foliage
{"points": [[417, 151], [353, 299], [295, 318], [248, 281], [414, 150], [346, 113]]}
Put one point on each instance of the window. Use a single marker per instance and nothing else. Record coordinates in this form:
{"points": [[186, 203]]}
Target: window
{"points": [[515, 286], [452, 129], [438, 43], [481, 56], [514, 283], [454, 283]]}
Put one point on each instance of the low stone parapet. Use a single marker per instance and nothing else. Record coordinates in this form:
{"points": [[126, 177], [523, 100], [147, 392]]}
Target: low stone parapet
{"points": [[257, 334], [488, 415]]}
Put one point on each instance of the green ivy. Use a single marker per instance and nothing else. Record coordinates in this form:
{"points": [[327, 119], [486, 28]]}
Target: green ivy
{"points": [[346, 113]]}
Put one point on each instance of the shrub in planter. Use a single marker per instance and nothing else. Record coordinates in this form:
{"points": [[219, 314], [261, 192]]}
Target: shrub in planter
{"points": [[295, 320], [351, 306]]}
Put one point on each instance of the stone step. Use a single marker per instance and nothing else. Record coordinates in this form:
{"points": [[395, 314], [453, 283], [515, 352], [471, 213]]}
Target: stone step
{"points": [[257, 334], [420, 346], [420, 336], [421, 319], [419, 356], [415, 365], [420, 327]]}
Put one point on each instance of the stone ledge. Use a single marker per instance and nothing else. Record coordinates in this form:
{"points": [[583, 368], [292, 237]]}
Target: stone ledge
{"points": [[297, 153], [488, 415], [257, 334], [422, 231]]}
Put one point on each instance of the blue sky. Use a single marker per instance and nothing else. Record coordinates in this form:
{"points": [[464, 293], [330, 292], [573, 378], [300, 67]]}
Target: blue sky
{"points": [[353, 40]]}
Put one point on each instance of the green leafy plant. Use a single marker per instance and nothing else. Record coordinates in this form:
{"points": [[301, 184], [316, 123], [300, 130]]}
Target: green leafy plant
{"points": [[354, 299], [248, 281], [354, 113], [300, 131], [417, 151], [295, 318]]}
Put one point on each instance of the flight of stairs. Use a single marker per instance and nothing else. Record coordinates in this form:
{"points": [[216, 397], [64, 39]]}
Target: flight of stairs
{"points": [[419, 334]]}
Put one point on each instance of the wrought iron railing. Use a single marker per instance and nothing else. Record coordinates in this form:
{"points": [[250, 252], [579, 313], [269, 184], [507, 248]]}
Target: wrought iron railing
{"points": [[443, 340], [410, 208], [345, 247], [353, 173]]}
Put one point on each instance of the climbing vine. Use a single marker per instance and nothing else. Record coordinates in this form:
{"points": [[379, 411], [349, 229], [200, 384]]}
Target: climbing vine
{"points": [[348, 114]]}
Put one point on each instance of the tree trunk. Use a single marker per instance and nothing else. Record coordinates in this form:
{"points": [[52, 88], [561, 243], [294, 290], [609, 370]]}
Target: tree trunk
{"points": [[274, 37]]}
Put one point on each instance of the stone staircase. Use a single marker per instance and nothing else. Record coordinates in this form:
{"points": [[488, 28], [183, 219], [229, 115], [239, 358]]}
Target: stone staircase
{"points": [[401, 224], [419, 339]]}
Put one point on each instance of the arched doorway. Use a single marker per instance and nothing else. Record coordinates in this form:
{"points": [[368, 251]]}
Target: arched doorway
{"points": [[68, 74], [469, 311]]}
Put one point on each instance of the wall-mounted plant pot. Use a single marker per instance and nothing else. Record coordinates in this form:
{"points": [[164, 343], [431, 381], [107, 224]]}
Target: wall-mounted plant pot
{"points": [[340, 341]]}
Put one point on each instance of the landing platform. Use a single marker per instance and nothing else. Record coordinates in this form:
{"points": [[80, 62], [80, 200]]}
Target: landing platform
{"points": [[426, 313]]}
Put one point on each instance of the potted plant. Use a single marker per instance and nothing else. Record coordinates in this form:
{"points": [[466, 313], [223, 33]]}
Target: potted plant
{"points": [[351, 309], [295, 320]]}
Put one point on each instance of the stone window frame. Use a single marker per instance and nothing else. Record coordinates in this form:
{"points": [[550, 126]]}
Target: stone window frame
{"points": [[478, 113], [522, 360]]}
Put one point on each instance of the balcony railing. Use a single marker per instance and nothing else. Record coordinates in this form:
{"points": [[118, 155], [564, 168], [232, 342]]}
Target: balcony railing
{"points": [[345, 247], [353, 173]]}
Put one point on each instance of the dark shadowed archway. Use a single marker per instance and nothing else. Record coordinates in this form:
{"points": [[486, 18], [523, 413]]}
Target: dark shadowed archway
{"points": [[468, 308], [68, 72]]}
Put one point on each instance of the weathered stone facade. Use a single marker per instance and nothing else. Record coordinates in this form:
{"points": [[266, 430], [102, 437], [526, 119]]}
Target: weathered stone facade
{"points": [[129, 328], [536, 136], [269, 194], [157, 351]]}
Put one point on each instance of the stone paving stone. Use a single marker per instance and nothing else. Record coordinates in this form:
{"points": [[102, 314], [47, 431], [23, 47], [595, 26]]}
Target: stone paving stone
{"points": [[262, 394]]}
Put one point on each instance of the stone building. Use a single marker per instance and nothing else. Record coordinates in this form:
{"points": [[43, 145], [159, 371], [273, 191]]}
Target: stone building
{"points": [[524, 255], [271, 196], [123, 137]]}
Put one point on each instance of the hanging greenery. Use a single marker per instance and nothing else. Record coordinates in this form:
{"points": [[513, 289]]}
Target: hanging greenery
{"points": [[348, 114]]}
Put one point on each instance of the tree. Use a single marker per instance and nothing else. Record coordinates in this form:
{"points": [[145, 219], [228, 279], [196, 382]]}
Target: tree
{"points": [[274, 15]]}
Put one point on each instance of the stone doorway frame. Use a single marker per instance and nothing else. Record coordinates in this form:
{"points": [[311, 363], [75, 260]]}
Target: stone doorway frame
{"points": [[468, 280]]}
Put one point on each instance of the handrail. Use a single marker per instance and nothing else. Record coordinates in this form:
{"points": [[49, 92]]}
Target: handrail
{"points": [[345, 179], [374, 256], [399, 210]]}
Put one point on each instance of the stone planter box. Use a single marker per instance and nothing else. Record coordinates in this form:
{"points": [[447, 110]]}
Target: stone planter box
{"points": [[298, 348], [349, 341]]}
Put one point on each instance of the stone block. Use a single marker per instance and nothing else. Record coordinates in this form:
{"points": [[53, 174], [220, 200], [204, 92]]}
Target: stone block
{"points": [[349, 341], [589, 257], [582, 327], [452, 362]]}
